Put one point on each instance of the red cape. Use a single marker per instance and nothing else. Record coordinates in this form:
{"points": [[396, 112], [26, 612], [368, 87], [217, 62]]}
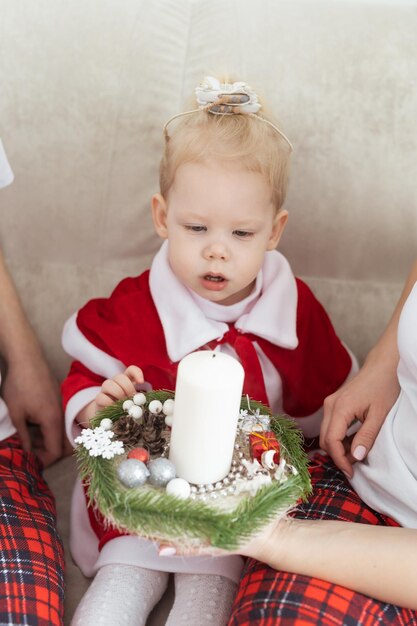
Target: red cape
{"points": [[127, 327]]}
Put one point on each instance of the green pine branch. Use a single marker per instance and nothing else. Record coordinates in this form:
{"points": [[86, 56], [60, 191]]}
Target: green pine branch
{"points": [[150, 512]]}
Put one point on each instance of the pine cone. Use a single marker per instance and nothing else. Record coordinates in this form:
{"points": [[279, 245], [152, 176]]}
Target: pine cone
{"points": [[127, 430], [155, 447], [152, 433]]}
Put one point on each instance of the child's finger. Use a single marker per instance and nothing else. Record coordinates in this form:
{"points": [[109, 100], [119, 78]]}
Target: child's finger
{"points": [[125, 383], [103, 400], [135, 374], [111, 388]]}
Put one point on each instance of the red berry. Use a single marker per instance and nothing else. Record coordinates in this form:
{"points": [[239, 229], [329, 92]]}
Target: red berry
{"points": [[140, 454]]}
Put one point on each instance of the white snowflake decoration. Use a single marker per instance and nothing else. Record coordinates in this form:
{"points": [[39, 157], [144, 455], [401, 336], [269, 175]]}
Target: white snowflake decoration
{"points": [[253, 421], [99, 442]]}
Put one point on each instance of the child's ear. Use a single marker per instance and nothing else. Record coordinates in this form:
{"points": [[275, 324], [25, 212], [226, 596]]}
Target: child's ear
{"points": [[278, 227], [159, 215]]}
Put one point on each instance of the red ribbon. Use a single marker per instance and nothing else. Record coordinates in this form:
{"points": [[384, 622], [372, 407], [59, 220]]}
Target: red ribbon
{"points": [[254, 385]]}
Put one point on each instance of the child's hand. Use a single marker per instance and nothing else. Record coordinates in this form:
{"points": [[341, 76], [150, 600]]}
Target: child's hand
{"points": [[119, 386]]}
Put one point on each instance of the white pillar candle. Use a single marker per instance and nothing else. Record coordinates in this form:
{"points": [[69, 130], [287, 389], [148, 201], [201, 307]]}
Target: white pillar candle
{"points": [[207, 403]]}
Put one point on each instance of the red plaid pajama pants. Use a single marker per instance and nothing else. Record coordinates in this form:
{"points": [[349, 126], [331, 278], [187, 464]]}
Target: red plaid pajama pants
{"points": [[31, 553], [270, 598]]}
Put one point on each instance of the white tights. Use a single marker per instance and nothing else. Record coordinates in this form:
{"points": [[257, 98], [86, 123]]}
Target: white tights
{"points": [[124, 595]]}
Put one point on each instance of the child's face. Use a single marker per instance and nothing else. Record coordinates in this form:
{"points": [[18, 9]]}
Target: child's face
{"points": [[219, 220]]}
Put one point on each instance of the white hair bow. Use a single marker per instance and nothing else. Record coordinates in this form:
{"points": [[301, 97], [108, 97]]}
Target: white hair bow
{"points": [[226, 98]]}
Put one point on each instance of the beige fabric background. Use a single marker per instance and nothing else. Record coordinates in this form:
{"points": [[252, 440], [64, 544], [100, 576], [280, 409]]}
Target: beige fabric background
{"points": [[86, 86]]}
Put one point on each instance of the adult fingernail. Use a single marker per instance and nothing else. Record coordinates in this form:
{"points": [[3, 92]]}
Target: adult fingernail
{"points": [[167, 551], [359, 453]]}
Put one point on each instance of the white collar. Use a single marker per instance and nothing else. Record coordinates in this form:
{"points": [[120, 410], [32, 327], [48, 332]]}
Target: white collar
{"points": [[229, 313], [187, 327]]}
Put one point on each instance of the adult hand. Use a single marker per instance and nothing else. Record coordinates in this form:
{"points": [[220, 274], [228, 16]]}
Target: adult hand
{"points": [[367, 397], [267, 543], [32, 397]]}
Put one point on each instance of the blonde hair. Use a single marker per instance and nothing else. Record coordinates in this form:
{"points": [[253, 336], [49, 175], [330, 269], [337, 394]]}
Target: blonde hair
{"points": [[242, 139]]}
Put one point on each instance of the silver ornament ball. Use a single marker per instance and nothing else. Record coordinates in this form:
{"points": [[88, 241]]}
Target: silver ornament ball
{"points": [[132, 473], [161, 471]]}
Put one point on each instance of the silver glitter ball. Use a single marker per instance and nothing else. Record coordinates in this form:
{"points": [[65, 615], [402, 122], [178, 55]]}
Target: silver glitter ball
{"points": [[161, 471], [132, 473]]}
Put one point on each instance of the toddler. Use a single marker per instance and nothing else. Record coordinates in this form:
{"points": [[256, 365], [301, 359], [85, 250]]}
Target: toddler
{"points": [[217, 281]]}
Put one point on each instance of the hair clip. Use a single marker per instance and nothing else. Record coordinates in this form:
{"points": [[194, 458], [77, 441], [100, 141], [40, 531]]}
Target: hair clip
{"points": [[234, 97], [226, 99]]}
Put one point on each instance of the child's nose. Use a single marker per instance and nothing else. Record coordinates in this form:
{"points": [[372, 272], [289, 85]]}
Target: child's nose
{"points": [[216, 251]]}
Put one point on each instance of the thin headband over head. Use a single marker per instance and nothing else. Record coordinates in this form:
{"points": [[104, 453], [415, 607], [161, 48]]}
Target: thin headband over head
{"points": [[226, 99]]}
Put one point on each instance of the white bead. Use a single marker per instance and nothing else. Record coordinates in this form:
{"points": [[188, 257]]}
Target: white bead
{"points": [[155, 407], [139, 398], [126, 405], [168, 420], [106, 423], [168, 406], [135, 412], [179, 487]]}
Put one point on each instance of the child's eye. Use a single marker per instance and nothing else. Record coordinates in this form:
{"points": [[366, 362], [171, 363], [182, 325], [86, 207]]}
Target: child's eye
{"points": [[243, 234], [195, 228]]}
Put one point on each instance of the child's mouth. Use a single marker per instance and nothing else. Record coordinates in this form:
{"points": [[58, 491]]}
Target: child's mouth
{"points": [[214, 282], [214, 279]]}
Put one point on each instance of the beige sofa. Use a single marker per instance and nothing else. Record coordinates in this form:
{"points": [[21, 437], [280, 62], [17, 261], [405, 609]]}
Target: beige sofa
{"points": [[86, 87]]}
